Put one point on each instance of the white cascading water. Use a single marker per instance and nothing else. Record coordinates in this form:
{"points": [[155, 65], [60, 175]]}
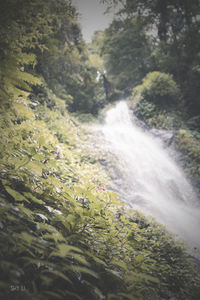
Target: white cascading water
{"points": [[149, 180]]}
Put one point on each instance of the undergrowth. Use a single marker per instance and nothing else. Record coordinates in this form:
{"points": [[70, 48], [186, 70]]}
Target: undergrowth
{"points": [[63, 234]]}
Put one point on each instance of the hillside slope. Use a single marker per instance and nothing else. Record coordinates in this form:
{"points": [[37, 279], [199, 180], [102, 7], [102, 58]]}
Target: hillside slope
{"points": [[63, 234]]}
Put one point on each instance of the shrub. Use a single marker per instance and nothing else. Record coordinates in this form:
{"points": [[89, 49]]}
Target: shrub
{"points": [[159, 88]]}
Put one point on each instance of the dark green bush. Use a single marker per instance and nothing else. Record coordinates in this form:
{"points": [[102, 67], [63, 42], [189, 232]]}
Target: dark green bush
{"points": [[158, 88]]}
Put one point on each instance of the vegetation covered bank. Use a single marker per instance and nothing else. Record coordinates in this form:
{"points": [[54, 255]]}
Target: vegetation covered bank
{"points": [[63, 235]]}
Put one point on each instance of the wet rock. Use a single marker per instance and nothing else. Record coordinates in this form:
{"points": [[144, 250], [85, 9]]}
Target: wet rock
{"points": [[167, 136]]}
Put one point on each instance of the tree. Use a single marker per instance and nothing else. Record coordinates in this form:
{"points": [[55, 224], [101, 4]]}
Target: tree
{"points": [[44, 38], [172, 27], [23, 26], [126, 52]]}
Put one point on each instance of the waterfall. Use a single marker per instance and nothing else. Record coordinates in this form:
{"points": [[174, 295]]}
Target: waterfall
{"points": [[148, 178]]}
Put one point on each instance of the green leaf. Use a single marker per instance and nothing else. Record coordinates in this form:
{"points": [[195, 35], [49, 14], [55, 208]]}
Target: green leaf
{"points": [[49, 228], [33, 198], [39, 157], [86, 271], [26, 237], [16, 195], [26, 211], [32, 150], [46, 280], [41, 141], [95, 258], [23, 162], [65, 250], [80, 259], [139, 258], [120, 264], [58, 274], [56, 237], [52, 164], [36, 167], [134, 276]]}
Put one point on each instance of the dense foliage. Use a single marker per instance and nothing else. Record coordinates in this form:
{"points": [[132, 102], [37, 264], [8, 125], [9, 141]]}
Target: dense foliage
{"points": [[156, 35], [44, 38], [19, 34], [126, 53], [63, 235], [158, 88]]}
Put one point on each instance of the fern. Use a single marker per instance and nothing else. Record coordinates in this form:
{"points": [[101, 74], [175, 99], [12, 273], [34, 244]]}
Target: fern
{"points": [[13, 79], [27, 59]]}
